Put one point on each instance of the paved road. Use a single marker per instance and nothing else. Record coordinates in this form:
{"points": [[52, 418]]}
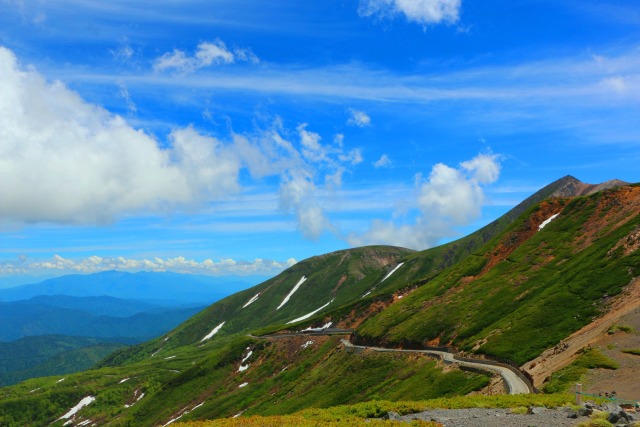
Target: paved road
{"points": [[515, 384]]}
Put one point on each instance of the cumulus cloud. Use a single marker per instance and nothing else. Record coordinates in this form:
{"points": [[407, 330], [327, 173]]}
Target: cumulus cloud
{"points": [[206, 54], [67, 161], [359, 118], [449, 197], [94, 264], [420, 11], [383, 162]]}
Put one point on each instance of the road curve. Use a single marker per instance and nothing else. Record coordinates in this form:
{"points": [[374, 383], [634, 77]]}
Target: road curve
{"points": [[515, 384]]}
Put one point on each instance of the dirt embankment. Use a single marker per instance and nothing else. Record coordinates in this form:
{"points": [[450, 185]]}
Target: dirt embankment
{"points": [[623, 309]]}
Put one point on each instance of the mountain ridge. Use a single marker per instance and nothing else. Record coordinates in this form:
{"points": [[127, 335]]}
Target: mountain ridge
{"points": [[548, 266]]}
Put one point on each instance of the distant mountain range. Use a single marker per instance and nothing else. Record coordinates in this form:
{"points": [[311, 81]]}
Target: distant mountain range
{"points": [[158, 287], [68, 323]]}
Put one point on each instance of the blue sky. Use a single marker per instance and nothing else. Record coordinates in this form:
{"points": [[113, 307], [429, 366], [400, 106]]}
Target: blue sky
{"points": [[236, 137]]}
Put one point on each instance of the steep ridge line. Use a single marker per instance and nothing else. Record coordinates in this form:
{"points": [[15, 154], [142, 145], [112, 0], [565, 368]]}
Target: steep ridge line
{"points": [[515, 380]]}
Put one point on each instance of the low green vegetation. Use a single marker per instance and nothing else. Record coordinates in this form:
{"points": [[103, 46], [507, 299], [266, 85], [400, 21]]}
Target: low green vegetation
{"points": [[555, 282], [634, 351], [620, 328], [282, 377], [370, 412], [589, 359]]}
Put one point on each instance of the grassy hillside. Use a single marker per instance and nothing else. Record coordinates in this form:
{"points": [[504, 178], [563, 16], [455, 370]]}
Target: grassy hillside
{"points": [[510, 290], [50, 355], [554, 281], [280, 377]]}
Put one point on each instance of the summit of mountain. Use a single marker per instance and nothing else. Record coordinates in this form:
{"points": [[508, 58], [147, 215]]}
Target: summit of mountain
{"points": [[570, 186]]}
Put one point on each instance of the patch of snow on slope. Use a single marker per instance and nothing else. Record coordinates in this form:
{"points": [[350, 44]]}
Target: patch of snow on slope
{"points": [[325, 326], [243, 385], [295, 288], [170, 357], [243, 368], [252, 300], [123, 380], [306, 316], [247, 356], [83, 423], [60, 380], [135, 393], [365, 294], [307, 344], [547, 221], [391, 272], [173, 420], [213, 332], [84, 402]]}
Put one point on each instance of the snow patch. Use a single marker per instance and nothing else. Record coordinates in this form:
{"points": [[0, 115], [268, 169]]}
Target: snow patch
{"points": [[547, 221], [252, 300], [123, 380], [172, 420], [238, 414], [60, 380], [325, 326], [157, 351], [243, 385], [400, 296], [295, 288], [84, 402], [135, 393], [247, 356], [365, 294], [35, 389], [243, 368], [83, 423], [306, 316], [391, 272], [307, 344], [197, 406], [170, 357], [213, 332]]}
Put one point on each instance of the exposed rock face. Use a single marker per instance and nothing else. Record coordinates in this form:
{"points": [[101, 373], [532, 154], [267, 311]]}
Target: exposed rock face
{"points": [[572, 187]]}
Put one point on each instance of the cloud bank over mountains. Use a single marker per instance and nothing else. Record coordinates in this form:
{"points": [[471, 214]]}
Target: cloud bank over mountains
{"points": [[95, 264]]}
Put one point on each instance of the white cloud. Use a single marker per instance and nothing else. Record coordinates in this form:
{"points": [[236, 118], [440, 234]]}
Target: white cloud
{"points": [[94, 264], [64, 160], [383, 162], [450, 197], [359, 118], [420, 11], [206, 54]]}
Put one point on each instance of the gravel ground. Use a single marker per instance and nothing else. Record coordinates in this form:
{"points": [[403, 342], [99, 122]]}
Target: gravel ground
{"points": [[478, 417]]}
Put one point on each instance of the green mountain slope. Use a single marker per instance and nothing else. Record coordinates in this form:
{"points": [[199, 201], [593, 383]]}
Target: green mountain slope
{"points": [[510, 290], [50, 355], [527, 288]]}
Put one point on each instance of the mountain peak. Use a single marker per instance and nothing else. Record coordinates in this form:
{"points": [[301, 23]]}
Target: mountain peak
{"points": [[570, 186]]}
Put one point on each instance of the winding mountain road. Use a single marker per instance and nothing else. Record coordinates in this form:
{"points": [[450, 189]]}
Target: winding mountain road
{"points": [[515, 383]]}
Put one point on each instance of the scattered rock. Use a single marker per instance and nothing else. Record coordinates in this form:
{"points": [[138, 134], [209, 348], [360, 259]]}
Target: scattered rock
{"points": [[393, 416]]}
